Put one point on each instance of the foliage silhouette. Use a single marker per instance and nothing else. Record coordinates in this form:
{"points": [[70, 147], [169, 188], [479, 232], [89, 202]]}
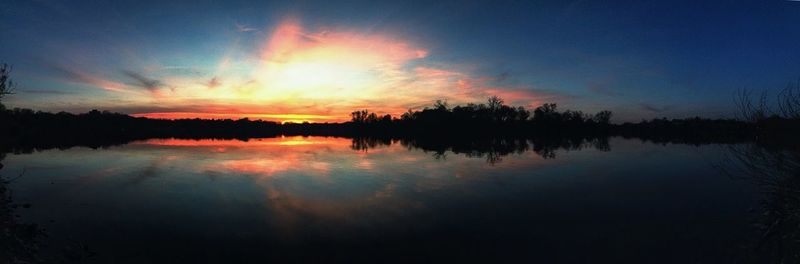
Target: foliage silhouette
{"points": [[491, 148], [6, 84], [779, 120], [772, 161], [775, 168], [27, 130]]}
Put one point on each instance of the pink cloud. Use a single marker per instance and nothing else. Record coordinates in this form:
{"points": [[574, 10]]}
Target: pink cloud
{"points": [[427, 72], [77, 76]]}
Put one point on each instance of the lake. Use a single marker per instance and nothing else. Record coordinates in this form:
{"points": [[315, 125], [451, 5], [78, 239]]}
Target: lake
{"points": [[324, 199]]}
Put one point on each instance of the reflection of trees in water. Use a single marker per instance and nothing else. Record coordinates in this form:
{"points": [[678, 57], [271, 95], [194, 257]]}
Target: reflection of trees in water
{"points": [[775, 168], [773, 163], [547, 147], [366, 143], [492, 149]]}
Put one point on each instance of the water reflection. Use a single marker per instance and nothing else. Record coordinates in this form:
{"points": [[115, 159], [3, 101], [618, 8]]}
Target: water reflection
{"points": [[565, 200], [493, 149], [321, 179], [776, 169]]}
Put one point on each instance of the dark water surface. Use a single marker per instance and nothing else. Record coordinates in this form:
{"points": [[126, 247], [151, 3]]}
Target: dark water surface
{"points": [[329, 199]]}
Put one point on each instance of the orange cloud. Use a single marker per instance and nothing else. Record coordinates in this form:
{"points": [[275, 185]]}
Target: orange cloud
{"points": [[427, 72]]}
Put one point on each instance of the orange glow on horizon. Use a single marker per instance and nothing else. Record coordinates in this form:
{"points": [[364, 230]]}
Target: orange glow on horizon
{"points": [[317, 76], [254, 143], [280, 118]]}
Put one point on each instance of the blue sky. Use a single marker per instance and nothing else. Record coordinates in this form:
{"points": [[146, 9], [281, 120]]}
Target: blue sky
{"points": [[640, 59]]}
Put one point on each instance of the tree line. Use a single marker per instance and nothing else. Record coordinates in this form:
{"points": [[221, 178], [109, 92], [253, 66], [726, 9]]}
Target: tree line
{"points": [[759, 119], [491, 117]]}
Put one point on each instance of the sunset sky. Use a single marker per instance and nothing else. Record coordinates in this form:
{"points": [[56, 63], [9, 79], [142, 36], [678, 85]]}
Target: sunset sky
{"points": [[319, 60]]}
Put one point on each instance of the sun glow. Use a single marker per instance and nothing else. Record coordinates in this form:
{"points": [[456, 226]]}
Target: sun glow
{"points": [[301, 75], [282, 118], [329, 66]]}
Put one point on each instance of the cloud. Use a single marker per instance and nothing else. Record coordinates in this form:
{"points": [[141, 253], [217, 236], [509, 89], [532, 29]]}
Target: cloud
{"points": [[291, 42], [318, 74], [141, 81], [181, 70], [502, 77], [244, 28], [654, 108], [44, 91], [429, 73], [77, 76], [460, 87], [214, 82]]}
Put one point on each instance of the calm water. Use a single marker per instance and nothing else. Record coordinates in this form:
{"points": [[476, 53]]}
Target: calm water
{"points": [[326, 199]]}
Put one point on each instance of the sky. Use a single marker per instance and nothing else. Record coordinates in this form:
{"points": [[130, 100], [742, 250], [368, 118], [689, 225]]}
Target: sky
{"points": [[318, 61]]}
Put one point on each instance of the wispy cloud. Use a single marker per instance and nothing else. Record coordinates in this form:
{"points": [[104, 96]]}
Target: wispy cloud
{"points": [[181, 70], [502, 77], [141, 81], [654, 108], [44, 91], [77, 76], [245, 28]]}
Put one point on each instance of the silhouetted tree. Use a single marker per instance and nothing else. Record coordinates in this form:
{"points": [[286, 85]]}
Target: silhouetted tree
{"points": [[789, 101], [440, 105], [776, 169], [523, 114], [602, 117], [779, 120], [407, 116], [360, 116], [546, 113], [6, 84], [758, 109], [495, 103], [752, 110]]}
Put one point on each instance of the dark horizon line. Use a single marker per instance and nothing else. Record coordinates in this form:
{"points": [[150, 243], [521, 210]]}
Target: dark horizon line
{"points": [[255, 119], [491, 119]]}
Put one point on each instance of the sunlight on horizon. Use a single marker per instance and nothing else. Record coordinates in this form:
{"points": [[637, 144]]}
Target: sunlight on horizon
{"points": [[321, 76]]}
